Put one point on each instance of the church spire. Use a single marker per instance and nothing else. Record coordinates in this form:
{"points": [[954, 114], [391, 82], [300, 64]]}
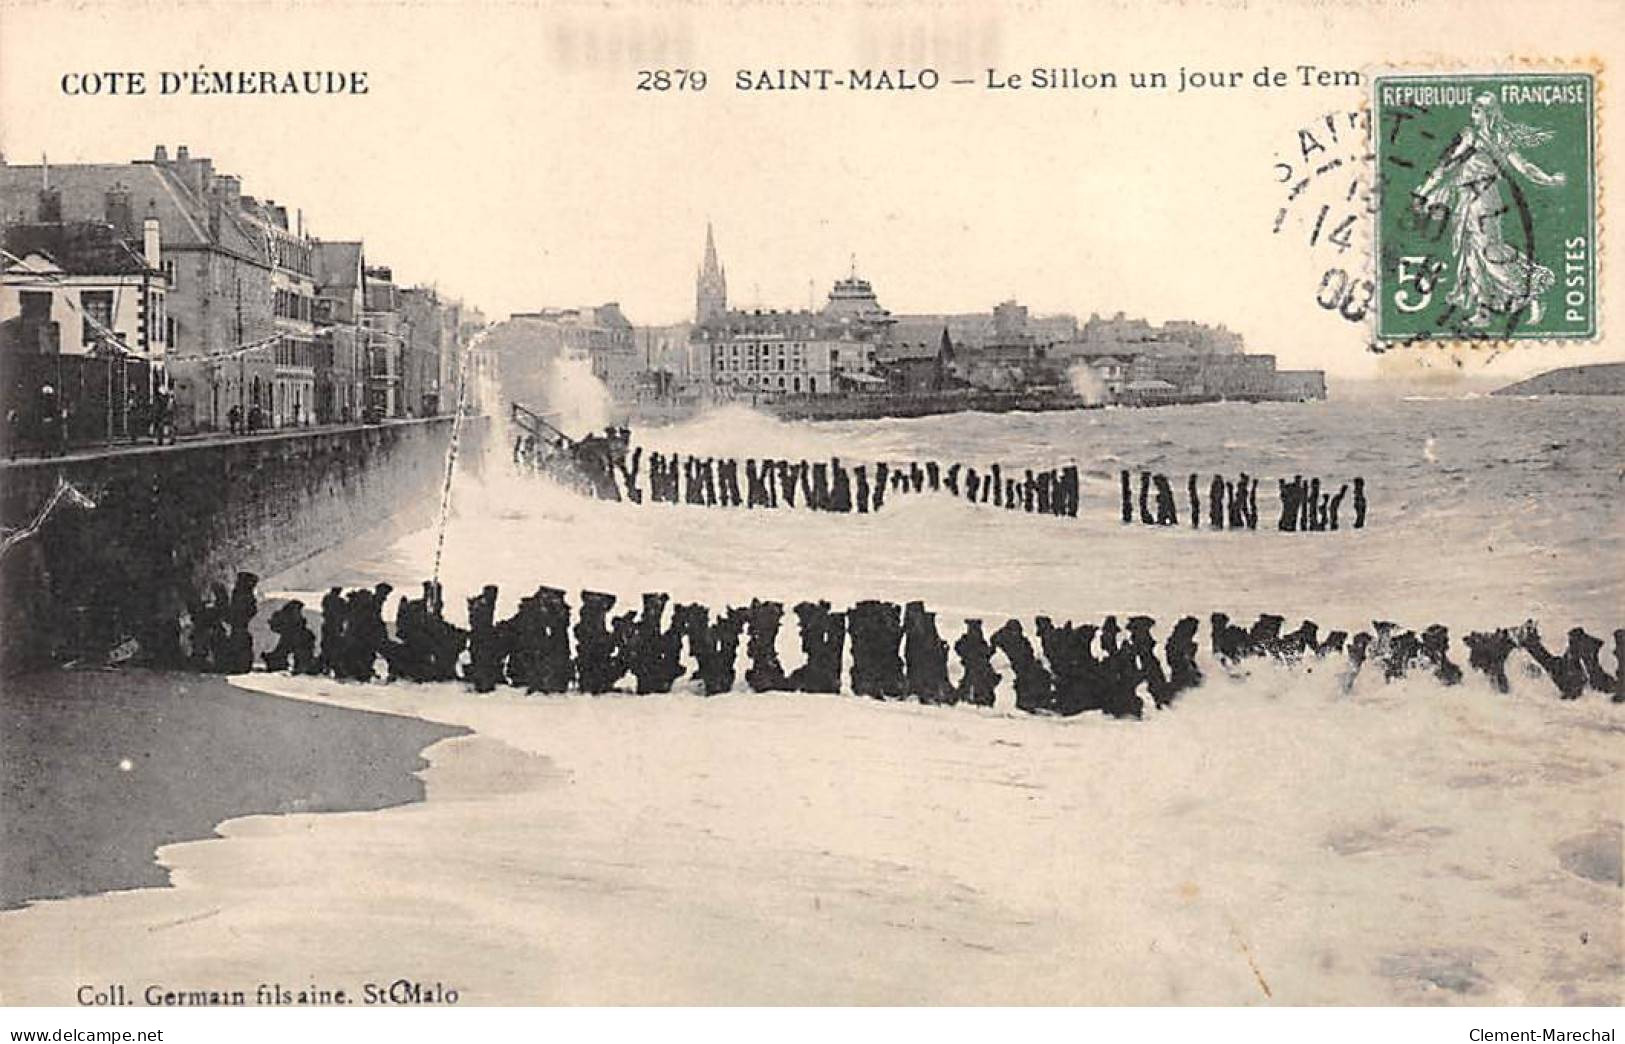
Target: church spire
{"points": [[711, 287]]}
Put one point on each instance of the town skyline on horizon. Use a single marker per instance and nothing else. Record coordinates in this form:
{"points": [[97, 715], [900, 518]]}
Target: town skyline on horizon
{"points": [[639, 308], [818, 295]]}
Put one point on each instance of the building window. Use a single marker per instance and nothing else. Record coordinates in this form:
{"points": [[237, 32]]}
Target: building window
{"points": [[36, 306], [97, 306], [170, 272]]}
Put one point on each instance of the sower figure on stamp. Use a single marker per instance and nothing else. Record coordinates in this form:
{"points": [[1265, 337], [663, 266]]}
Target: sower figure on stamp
{"points": [[1489, 276]]}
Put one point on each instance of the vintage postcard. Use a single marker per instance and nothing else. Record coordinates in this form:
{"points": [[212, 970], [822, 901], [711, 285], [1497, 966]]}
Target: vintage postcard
{"points": [[819, 503]]}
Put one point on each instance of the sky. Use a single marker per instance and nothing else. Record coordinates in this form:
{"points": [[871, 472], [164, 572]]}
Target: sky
{"points": [[504, 153]]}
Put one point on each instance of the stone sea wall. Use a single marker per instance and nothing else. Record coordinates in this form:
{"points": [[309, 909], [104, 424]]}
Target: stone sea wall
{"points": [[172, 520]]}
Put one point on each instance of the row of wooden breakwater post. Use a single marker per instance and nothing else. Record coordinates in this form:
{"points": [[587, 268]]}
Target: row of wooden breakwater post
{"points": [[896, 651], [1234, 504], [618, 473]]}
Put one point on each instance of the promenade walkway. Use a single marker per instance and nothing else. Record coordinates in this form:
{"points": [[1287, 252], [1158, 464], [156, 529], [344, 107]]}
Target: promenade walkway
{"points": [[32, 457]]}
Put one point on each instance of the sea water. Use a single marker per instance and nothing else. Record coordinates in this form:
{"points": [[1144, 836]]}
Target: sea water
{"points": [[1271, 838], [1482, 512]]}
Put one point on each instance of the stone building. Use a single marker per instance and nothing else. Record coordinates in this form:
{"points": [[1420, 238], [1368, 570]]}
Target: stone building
{"points": [[83, 288], [340, 369], [767, 352], [665, 348], [1202, 337], [1121, 334], [220, 307], [481, 371], [1006, 322], [414, 339], [384, 344], [293, 308], [728, 353], [1300, 385], [253, 311], [771, 353], [422, 333], [82, 312], [918, 368], [452, 345]]}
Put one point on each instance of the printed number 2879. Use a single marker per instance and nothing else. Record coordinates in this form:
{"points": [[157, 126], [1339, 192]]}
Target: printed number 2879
{"points": [[671, 79]]}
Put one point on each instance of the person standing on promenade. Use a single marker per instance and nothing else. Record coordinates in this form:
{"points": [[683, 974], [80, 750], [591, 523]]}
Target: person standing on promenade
{"points": [[50, 420], [163, 416]]}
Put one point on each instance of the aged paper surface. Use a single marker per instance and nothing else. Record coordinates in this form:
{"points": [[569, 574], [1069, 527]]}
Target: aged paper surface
{"points": [[1090, 562]]}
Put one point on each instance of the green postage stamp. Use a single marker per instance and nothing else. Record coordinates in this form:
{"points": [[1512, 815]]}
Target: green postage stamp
{"points": [[1486, 220]]}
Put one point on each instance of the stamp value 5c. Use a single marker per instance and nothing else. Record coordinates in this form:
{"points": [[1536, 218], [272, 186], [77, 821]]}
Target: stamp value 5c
{"points": [[1486, 222]]}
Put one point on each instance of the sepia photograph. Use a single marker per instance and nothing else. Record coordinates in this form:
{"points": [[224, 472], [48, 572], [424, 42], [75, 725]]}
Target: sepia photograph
{"points": [[820, 504]]}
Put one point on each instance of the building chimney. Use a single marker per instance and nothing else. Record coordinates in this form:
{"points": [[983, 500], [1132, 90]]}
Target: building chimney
{"points": [[229, 189], [151, 243], [160, 154], [196, 173], [116, 209]]}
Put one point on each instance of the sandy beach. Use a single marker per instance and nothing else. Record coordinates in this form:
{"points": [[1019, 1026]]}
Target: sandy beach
{"points": [[800, 849], [100, 768]]}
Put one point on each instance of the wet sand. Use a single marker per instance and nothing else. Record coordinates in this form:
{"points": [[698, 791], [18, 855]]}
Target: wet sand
{"points": [[1271, 842], [98, 769]]}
